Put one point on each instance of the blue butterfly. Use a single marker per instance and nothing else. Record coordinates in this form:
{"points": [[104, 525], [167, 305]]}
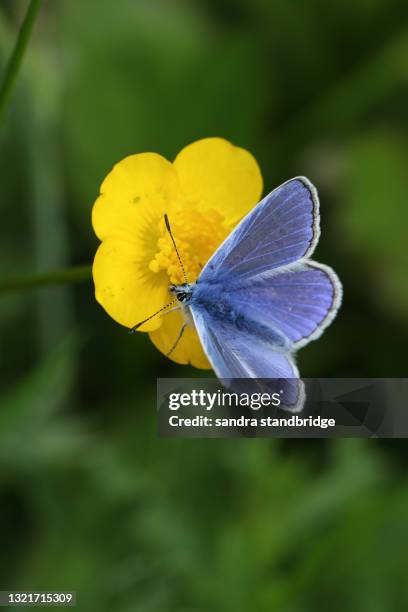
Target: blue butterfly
{"points": [[260, 298]]}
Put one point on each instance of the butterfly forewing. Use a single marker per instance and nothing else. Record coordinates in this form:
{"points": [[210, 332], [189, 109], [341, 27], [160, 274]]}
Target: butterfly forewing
{"points": [[237, 355], [280, 230]]}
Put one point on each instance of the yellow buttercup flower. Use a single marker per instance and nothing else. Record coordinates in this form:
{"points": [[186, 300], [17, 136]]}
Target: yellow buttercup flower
{"points": [[208, 188]]}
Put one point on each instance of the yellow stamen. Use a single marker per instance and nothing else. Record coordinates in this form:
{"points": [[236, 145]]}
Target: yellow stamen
{"points": [[197, 234]]}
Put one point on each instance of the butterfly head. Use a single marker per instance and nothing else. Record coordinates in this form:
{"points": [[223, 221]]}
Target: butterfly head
{"points": [[182, 292]]}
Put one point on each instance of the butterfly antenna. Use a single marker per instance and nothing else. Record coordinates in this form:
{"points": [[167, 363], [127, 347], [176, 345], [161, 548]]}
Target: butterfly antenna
{"points": [[166, 220], [135, 327]]}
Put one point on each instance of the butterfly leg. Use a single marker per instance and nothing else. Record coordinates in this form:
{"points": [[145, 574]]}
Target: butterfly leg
{"points": [[180, 334]]}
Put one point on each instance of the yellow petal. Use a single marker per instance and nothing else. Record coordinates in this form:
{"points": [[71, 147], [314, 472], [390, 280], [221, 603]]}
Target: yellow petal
{"points": [[126, 216], [188, 350], [147, 182], [220, 175], [127, 292]]}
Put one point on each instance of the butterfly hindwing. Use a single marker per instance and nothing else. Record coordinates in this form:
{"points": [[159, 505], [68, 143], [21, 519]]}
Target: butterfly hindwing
{"points": [[298, 302]]}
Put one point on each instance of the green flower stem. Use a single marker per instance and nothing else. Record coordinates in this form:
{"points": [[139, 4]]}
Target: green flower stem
{"points": [[76, 274], [16, 57]]}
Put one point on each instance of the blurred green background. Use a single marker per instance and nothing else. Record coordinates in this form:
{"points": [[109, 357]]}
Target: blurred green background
{"points": [[90, 499]]}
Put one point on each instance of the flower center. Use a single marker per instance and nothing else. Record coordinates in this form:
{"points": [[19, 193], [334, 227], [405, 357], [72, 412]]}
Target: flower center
{"points": [[197, 235]]}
